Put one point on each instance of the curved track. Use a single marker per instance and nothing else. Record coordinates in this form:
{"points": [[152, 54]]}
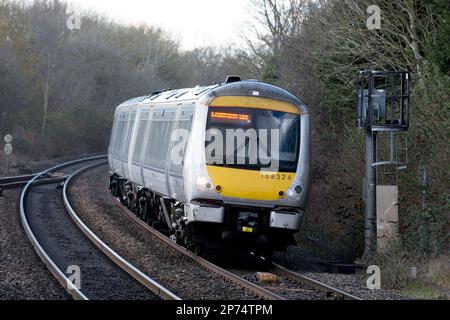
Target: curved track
{"points": [[125, 265], [64, 248]]}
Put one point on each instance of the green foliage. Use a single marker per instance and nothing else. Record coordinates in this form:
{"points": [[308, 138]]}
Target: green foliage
{"points": [[439, 52], [396, 266], [323, 55], [76, 131], [427, 228], [424, 230], [418, 290], [432, 274]]}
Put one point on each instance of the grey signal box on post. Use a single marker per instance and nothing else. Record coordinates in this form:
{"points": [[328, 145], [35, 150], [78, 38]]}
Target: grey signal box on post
{"points": [[382, 102], [382, 106]]}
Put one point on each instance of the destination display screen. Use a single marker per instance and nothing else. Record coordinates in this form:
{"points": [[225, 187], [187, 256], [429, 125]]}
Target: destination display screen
{"points": [[230, 117]]}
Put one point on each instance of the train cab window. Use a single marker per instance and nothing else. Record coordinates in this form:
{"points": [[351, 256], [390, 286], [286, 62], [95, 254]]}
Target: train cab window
{"points": [[258, 138]]}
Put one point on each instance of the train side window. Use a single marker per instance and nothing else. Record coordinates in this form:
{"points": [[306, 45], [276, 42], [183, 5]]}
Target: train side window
{"points": [[143, 124], [114, 137], [184, 123], [158, 142], [169, 122], [189, 122], [162, 126], [119, 133], [123, 134], [113, 134], [153, 139], [126, 141]]}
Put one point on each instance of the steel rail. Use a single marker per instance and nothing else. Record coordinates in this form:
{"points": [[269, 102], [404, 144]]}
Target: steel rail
{"points": [[312, 282], [115, 257], [57, 273], [205, 264]]}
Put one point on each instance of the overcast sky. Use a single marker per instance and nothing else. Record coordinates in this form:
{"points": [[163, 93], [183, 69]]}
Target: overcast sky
{"points": [[193, 22]]}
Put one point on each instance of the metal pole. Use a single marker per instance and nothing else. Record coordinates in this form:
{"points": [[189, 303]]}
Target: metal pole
{"points": [[370, 232], [7, 165]]}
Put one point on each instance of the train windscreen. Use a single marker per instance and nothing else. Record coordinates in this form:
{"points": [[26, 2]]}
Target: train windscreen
{"points": [[252, 139]]}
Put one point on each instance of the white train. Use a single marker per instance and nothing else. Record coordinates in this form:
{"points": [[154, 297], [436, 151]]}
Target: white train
{"points": [[226, 164]]}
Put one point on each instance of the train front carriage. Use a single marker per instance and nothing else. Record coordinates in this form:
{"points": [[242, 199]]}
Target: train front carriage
{"points": [[233, 165], [248, 166]]}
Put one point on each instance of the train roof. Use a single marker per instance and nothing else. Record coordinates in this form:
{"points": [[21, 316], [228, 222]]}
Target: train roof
{"points": [[179, 94], [133, 101], [233, 86]]}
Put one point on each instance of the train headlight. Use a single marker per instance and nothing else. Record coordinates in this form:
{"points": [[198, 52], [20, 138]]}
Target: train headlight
{"points": [[294, 192], [298, 189], [203, 184]]}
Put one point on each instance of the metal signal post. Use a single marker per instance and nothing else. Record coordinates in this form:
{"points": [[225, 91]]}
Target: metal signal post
{"points": [[8, 149], [382, 109], [370, 187]]}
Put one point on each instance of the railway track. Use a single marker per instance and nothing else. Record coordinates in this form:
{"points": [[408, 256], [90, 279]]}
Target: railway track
{"points": [[292, 286], [70, 250], [330, 291]]}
